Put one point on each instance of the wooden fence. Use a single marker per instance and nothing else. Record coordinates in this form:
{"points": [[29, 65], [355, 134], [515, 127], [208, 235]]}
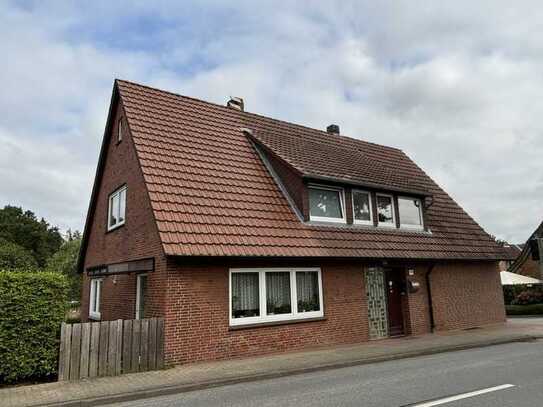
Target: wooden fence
{"points": [[110, 348]]}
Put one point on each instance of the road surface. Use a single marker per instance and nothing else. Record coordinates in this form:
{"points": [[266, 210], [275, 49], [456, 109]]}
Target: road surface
{"points": [[505, 375]]}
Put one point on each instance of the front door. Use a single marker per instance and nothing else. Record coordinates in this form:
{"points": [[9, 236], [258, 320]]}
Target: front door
{"points": [[395, 289]]}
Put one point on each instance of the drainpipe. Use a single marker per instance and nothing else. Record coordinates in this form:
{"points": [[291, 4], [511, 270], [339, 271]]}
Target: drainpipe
{"points": [[429, 291]]}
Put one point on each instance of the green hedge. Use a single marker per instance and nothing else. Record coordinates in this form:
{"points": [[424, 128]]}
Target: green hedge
{"points": [[533, 309], [32, 308], [511, 292]]}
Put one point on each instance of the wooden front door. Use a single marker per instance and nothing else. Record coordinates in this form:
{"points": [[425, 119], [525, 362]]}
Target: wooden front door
{"points": [[395, 289]]}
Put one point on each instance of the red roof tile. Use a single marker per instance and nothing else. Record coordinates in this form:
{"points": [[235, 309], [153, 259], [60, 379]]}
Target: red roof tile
{"points": [[212, 195]]}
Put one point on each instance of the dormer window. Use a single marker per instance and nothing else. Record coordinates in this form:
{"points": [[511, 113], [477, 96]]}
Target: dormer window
{"points": [[326, 204], [410, 213], [385, 210], [362, 211], [117, 208], [120, 132]]}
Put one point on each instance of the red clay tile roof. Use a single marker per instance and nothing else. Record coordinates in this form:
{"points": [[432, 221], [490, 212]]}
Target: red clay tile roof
{"points": [[212, 195]]}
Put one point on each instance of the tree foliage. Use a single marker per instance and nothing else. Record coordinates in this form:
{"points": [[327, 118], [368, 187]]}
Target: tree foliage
{"points": [[24, 229], [65, 261], [33, 306], [15, 257]]}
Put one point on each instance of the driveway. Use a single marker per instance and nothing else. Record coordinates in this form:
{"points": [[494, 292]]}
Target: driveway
{"points": [[487, 371]]}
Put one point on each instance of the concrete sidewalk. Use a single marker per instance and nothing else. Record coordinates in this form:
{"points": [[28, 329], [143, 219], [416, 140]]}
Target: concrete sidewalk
{"points": [[196, 376]]}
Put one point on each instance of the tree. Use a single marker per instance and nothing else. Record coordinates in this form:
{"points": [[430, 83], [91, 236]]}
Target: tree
{"points": [[65, 261], [15, 257], [35, 236]]}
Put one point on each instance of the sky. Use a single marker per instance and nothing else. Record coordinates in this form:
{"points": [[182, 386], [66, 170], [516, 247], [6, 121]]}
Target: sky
{"points": [[457, 86]]}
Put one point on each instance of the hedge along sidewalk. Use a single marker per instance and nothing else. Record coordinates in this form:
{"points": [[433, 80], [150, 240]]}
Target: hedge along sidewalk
{"points": [[202, 375], [33, 305]]}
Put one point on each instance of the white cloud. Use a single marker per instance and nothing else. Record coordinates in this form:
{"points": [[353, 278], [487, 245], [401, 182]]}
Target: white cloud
{"points": [[455, 85]]}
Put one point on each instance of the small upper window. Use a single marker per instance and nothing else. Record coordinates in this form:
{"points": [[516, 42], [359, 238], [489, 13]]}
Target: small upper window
{"points": [[362, 207], [120, 132], [326, 204], [117, 208], [410, 212], [385, 210]]}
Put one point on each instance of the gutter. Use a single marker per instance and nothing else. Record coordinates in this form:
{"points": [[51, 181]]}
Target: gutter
{"points": [[430, 304]]}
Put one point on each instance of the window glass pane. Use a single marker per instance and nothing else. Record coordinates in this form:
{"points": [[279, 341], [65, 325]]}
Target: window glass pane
{"points": [[410, 213], [120, 134], [361, 206], [245, 295], [95, 296], [384, 209], [325, 203], [141, 296], [278, 293], [113, 209], [122, 204], [307, 289]]}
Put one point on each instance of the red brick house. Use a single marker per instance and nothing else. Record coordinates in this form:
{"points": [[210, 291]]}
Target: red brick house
{"points": [[250, 235], [529, 262]]}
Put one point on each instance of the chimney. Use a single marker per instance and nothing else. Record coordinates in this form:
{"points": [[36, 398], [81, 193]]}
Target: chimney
{"points": [[235, 103], [333, 129]]}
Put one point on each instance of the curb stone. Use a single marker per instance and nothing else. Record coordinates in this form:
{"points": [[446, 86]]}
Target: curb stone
{"points": [[187, 387]]}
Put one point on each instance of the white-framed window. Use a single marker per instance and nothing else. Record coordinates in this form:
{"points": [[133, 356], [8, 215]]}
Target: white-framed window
{"points": [[141, 295], [120, 131], [95, 296], [362, 207], [274, 294], [385, 210], [410, 213], [117, 208], [326, 204]]}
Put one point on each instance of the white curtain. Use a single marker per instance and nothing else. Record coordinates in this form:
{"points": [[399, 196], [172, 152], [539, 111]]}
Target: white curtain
{"points": [[307, 289], [245, 295], [278, 293]]}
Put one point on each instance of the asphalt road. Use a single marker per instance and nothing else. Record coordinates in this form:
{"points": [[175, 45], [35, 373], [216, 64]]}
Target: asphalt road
{"points": [[423, 381]]}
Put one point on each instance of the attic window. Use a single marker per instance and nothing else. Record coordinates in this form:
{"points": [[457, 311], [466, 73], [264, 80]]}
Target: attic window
{"points": [[117, 208], [326, 204], [385, 210], [120, 132], [410, 213]]}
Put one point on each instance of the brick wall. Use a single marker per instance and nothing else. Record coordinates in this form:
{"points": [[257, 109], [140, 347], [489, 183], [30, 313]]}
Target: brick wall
{"points": [[137, 239], [197, 324], [466, 295], [197, 320]]}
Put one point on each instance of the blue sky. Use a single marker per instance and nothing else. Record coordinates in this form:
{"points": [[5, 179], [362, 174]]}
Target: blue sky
{"points": [[456, 86]]}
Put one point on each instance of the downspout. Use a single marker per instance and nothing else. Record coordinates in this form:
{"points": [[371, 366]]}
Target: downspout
{"points": [[430, 304]]}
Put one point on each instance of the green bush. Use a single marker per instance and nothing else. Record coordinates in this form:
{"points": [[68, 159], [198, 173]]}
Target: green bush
{"points": [[533, 309], [511, 292], [32, 308]]}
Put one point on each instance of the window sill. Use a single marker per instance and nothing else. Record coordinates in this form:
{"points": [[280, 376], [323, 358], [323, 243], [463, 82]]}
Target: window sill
{"points": [[95, 317], [113, 228], [274, 323]]}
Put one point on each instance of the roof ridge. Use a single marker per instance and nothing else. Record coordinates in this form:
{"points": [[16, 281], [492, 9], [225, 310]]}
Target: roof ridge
{"points": [[257, 115]]}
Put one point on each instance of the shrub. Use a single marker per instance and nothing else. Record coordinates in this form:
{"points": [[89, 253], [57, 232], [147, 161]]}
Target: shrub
{"points": [[534, 309], [511, 292], [528, 297], [32, 308]]}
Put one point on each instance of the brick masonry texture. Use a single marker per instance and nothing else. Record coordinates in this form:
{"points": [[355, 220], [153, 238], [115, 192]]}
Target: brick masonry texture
{"points": [[137, 239], [225, 204], [197, 321]]}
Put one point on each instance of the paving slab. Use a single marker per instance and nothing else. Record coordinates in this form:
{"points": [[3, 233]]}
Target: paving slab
{"points": [[189, 377]]}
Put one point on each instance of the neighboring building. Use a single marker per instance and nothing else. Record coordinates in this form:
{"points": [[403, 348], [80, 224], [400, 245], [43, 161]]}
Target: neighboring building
{"points": [[250, 235], [512, 251], [530, 260]]}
